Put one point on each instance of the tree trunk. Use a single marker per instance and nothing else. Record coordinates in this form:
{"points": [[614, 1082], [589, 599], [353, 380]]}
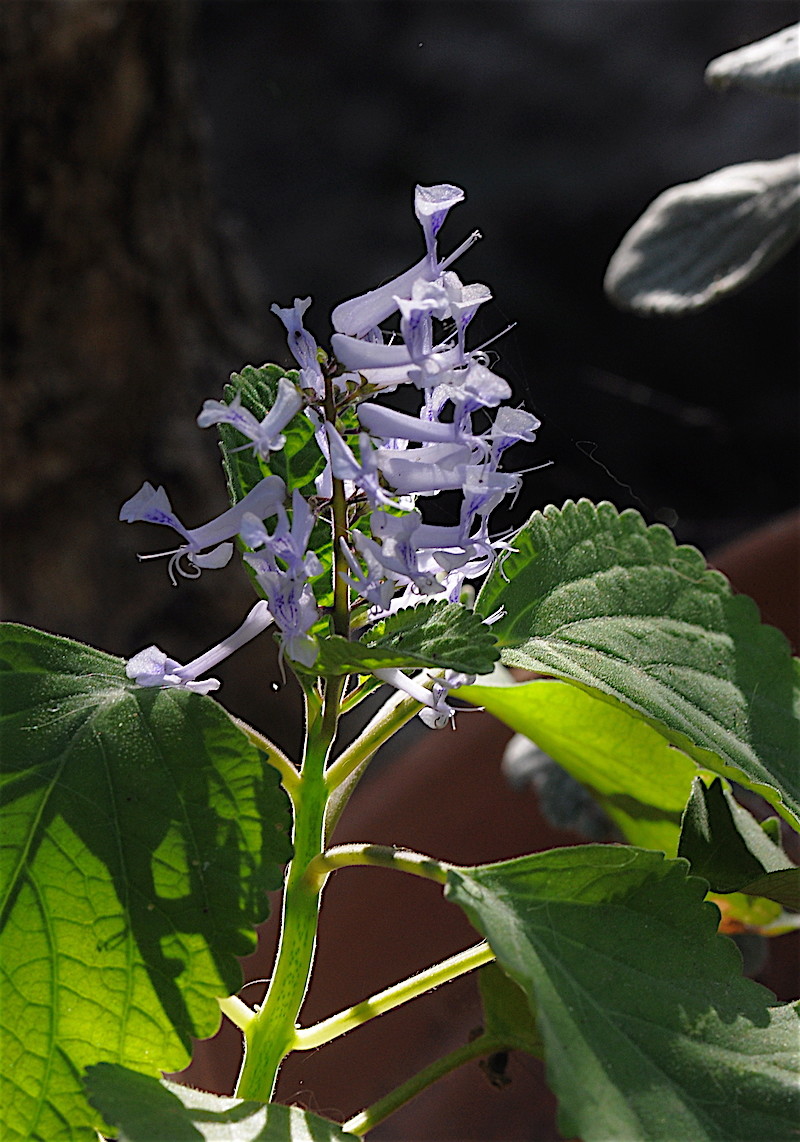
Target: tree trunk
{"points": [[124, 306]]}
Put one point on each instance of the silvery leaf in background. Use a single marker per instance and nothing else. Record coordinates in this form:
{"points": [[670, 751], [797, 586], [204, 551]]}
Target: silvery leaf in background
{"points": [[702, 240], [770, 65]]}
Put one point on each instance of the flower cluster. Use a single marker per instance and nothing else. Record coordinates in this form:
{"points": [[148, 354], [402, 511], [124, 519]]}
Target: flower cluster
{"points": [[383, 461]]}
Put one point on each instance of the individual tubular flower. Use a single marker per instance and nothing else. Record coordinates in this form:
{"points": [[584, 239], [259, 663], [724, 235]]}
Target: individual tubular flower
{"points": [[267, 434], [152, 667], [431, 206], [359, 315], [289, 593], [436, 713], [365, 474], [151, 505], [372, 583], [302, 345]]}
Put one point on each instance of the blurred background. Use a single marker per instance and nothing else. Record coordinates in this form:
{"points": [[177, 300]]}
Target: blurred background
{"points": [[171, 167]]}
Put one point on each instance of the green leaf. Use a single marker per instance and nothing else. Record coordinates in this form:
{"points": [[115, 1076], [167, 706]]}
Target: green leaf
{"points": [[507, 1014], [781, 885], [601, 600], [650, 1029], [140, 834], [725, 844], [146, 1110], [444, 635], [770, 65], [300, 459], [640, 781], [702, 240]]}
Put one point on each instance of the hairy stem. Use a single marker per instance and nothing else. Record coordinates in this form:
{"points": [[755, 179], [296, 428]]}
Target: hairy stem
{"points": [[339, 1024], [376, 856], [290, 778], [270, 1034], [484, 1045]]}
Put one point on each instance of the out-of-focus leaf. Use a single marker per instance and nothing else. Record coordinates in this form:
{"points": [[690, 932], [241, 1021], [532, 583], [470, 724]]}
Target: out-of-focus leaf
{"points": [[702, 240], [770, 65]]}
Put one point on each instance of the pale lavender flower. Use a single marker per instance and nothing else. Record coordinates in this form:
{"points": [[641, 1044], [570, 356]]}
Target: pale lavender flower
{"points": [[435, 713], [152, 667], [425, 471], [371, 584], [267, 434], [151, 505], [364, 475], [431, 206]]}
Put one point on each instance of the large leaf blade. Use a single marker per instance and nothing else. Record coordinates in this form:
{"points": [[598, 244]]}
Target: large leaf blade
{"points": [[649, 1027], [637, 778], [146, 1110], [141, 832], [599, 599]]}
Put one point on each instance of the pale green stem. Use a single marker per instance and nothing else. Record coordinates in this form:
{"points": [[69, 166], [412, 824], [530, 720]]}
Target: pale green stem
{"points": [[238, 1012], [269, 1034], [484, 1045], [308, 1038], [376, 856], [345, 773], [290, 778]]}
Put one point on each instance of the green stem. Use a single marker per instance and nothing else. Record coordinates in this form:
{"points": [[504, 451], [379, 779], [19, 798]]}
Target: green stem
{"points": [[290, 778], [345, 773], [376, 856], [449, 969], [369, 1118], [270, 1034]]}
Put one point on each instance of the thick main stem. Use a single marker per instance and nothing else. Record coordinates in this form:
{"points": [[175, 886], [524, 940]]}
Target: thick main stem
{"points": [[270, 1035]]}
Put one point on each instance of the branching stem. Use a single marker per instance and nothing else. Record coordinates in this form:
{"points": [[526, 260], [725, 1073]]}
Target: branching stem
{"points": [[399, 993], [484, 1045]]}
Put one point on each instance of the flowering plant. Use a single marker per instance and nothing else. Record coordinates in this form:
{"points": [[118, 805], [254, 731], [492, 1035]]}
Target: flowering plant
{"points": [[653, 686]]}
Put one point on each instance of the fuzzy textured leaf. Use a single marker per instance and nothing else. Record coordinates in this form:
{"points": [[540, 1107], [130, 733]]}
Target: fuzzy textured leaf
{"points": [[444, 635], [140, 834], [146, 1110], [650, 1029], [601, 600], [724, 843], [702, 240]]}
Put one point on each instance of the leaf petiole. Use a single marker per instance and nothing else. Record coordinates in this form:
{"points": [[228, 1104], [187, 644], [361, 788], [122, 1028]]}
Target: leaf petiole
{"points": [[308, 1038]]}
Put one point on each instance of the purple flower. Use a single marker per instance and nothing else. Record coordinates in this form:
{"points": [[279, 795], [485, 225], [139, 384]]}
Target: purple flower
{"points": [[151, 505], [152, 667]]}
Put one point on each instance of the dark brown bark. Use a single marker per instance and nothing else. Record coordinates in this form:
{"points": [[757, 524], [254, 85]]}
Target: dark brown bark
{"points": [[124, 306]]}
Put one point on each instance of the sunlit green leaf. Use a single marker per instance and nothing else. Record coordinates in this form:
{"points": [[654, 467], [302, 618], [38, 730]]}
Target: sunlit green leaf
{"points": [[140, 834], [601, 600], [640, 781]]}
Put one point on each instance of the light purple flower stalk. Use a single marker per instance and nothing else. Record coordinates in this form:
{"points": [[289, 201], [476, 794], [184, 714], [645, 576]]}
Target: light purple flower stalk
{"points": [[152, 667]]}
